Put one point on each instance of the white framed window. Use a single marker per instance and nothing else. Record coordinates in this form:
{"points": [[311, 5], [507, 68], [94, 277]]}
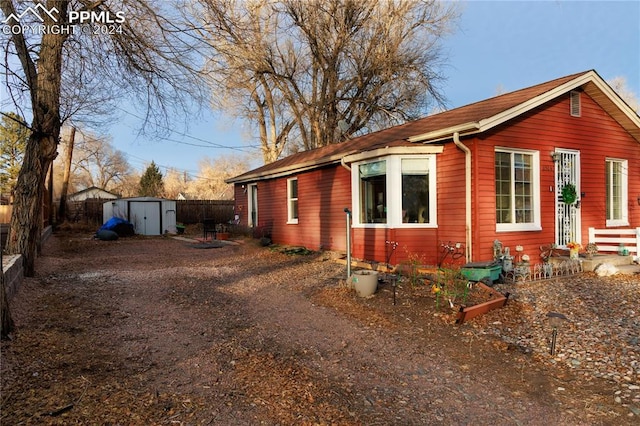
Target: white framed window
{"points": [[292, 200], [616, 180], [517, 184], [395, 191], [252, 201]]}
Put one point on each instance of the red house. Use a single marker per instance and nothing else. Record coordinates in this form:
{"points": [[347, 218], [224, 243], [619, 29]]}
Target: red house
{"points": [[533, 167]]}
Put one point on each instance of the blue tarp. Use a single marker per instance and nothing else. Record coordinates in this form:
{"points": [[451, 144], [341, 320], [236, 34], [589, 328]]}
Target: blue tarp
{"points": [[118, 225]]}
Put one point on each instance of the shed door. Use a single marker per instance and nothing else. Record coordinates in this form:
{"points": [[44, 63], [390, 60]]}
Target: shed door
{"points": [[145, 216], [567, 214]]}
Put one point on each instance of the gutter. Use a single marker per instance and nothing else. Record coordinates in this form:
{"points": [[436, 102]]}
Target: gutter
{"points": [[467, 185]]}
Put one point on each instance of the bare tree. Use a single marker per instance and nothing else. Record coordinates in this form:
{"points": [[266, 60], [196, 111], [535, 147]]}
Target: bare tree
{"points": [[175, 183], [210, 183], [619, 84], [130, 46], [321, 71], [97, 163]]}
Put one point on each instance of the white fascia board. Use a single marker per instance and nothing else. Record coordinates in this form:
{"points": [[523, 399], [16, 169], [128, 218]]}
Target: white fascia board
{"points": [[497, 119], [467, 128], [396, 150], [617, 100]]}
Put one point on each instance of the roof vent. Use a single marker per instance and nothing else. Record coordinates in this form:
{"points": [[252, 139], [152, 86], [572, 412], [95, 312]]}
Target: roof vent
{"points": [[575, 103]]}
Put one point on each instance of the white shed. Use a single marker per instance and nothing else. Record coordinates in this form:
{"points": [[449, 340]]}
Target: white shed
{"points": [[149, 215]]}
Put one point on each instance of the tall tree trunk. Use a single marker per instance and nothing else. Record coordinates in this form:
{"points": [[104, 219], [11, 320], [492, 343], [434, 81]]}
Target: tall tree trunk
{"points": [[62, 209], [44, 84], [26, 220]]}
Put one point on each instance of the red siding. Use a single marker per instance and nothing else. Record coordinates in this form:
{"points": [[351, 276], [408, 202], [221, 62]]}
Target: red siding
{"points": [[241, 204], [595, 134], [322, 196], [324, 193]]}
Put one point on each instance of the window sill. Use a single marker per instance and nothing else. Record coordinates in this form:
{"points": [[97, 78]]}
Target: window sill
{"points": [[519, 228], [292, 222], [616, 223], [397, 226]]}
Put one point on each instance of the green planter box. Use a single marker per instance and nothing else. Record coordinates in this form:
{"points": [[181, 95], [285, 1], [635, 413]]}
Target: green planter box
{"points": [[480, 270]]}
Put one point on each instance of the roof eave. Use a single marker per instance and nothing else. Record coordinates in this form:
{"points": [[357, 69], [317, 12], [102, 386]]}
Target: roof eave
{"points": [[632, 125], [287, 170]]}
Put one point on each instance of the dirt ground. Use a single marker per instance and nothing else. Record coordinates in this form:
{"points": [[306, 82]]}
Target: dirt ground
{"points": [[161, 331]]}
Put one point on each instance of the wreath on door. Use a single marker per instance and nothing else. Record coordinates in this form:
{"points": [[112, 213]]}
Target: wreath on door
{"points": [[569, 194]]}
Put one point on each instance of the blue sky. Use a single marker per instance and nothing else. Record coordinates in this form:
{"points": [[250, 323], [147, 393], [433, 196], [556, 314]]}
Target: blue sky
{"points": [[497, 46]]}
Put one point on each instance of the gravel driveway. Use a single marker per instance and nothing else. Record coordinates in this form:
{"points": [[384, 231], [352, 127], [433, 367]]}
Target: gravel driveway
{"points": [[163, 331]]}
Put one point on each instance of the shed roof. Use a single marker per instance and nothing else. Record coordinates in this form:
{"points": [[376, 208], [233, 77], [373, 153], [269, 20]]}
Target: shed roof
{"points": [[469, 119]]}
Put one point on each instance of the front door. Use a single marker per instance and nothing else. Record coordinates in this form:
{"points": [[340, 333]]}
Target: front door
{"points": [[567, 206]]}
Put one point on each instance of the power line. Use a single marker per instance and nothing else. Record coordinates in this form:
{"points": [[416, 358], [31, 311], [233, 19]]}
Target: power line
{"points": [[209, 144]]}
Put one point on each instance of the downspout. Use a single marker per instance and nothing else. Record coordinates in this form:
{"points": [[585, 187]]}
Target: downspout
{"points": [[344, 164], [467, 187]]}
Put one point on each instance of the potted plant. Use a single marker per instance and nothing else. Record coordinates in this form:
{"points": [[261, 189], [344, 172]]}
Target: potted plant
{"points": [[180, 228], [221, 232], [574, 248]]}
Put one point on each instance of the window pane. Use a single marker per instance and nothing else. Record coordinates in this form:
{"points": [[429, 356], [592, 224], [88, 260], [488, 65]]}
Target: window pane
{"points": [[293, 199], [503, 187], [415, 190], [614, 189], [514, 187], [415, 198], [376, 168], [373, 192]]}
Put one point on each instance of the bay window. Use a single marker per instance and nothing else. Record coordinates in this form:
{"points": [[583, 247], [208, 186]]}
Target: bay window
{"points": [[395, 191]]}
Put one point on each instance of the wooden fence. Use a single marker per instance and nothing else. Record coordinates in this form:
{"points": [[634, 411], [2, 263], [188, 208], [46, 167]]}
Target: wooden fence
{"points": [[5, 214], [194, 211], [187, 211]]}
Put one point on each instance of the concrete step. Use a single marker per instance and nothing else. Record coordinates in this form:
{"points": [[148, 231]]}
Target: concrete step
{"points": [[629, 269], [612, 259]]}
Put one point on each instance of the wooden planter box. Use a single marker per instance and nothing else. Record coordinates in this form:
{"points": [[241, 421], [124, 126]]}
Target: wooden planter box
{"points": [[497, 300]]}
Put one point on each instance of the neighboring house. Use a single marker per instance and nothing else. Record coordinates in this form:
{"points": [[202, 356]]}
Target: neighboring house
{"points": [[92, 192], [495, 169]]}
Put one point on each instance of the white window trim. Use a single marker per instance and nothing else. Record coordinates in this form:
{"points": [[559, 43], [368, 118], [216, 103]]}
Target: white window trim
{"points": [[291, 220], [394, 193], [251, 188], [624, 220], [536, 225]]}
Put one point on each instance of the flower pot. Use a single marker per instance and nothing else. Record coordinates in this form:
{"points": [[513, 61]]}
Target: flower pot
{"points": [[222, 236], [365, 282], [573, 253]]}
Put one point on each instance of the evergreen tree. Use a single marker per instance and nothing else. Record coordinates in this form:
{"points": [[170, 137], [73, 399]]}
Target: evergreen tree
{"points": [[151, 184]]}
